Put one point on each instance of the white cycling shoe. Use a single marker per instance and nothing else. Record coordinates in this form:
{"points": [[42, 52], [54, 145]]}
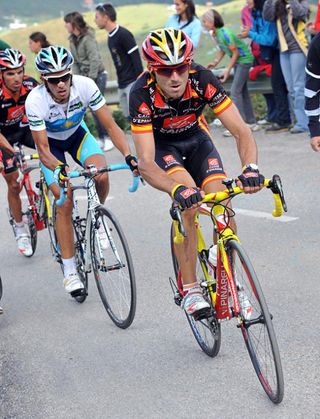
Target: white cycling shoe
{"points": [[24, 244], [72, 283], [194, 302]]}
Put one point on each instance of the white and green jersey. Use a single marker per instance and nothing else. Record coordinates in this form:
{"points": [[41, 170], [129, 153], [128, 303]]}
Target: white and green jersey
{"points": [[62, 120]]}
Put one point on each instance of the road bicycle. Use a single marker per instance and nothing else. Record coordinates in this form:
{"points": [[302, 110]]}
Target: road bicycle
{"points": [[231, 286], [101, 247], [37, 211]]}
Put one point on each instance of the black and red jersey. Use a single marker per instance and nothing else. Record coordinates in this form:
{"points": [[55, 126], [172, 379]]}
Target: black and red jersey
{"points": [[151, 112], [12, 111]]}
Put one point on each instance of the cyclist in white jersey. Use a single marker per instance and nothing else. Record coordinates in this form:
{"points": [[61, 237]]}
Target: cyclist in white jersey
{"points": [[55, 111]]}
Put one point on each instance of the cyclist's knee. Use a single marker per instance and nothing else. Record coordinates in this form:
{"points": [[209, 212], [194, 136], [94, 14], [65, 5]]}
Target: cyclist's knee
{"points": [[102, 180], [66, 208], [13, 187]]}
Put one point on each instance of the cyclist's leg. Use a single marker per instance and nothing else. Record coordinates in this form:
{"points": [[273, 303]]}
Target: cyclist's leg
{"points": [[63, 224], [89, 152], [10, 175], [170, 159]]}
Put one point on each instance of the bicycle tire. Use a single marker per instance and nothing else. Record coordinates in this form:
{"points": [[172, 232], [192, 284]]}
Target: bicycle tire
{"points": [[262, 345], [31, 225], [1, 290], [55, 250], [79, 234], [207, 331], [116, 284]]}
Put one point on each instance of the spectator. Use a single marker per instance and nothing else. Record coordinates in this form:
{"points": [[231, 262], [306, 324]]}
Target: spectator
{"points": [[265, 50], [241, 60], [38, 40], [3, 45], [87, 62], [312, 92], [290, 18], [124, 51], [186, 20]]}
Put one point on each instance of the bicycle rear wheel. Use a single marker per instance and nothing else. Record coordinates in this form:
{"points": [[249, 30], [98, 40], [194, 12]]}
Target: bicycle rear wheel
{"points": [[256, 325], [113, 268], [206, 331]]}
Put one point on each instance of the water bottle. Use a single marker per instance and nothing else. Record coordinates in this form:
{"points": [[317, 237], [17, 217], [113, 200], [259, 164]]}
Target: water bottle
{"points": [[245, 305], [212, 260]]}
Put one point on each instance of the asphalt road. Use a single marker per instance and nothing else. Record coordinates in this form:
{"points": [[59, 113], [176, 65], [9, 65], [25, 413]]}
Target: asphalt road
{"points": [[60, 359]]}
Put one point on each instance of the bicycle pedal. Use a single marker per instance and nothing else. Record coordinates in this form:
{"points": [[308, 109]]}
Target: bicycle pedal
{"points": [[205, 313], [78, 293]]}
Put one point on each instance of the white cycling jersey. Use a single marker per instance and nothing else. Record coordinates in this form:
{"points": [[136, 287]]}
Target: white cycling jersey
{"points": [[62, 120]]}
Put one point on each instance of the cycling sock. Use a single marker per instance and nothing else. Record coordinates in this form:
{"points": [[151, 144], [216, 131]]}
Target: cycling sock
{"points": [[69, 265], [187, 287], [20, 228]]}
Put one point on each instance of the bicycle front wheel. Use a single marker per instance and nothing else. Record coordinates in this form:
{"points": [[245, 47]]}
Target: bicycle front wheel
{"points": [[256, 324], [206, 331], [31, 226], [113, 268]]}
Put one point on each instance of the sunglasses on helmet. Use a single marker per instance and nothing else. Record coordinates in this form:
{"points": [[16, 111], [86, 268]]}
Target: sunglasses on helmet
{"points": [[168, 70], [57, 79]]}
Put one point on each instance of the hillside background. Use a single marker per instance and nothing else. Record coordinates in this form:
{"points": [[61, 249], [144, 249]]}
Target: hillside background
{"points": [[138, 18]]}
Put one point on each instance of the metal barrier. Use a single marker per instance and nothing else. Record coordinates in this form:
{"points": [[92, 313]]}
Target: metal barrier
{"points": [[261, 85]]}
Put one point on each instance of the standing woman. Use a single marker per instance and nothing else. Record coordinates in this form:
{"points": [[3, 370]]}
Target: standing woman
{"points": [[290, 17], [241, 60], [37, 41], [186, 20], [87, 61]]}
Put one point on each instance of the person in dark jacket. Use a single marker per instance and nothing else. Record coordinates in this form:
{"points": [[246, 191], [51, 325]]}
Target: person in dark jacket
{"points": [[264, 35], [87, 62], [124, 51], [290, 17]]}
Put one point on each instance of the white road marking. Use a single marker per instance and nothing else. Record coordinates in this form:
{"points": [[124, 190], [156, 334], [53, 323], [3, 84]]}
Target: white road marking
{"points": [[261, 214]]}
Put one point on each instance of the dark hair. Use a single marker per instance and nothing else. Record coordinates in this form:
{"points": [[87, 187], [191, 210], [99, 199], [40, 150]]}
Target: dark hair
{"points": [[77, 21], [217, 19], [258, 5], [190, 10], [107, 9], [40, 37]]}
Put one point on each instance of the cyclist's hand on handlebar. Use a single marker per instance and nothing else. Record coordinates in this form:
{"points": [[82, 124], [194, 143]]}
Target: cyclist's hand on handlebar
{"points": [[187, 197], [132, 162], [250, 180], [60, 174]]}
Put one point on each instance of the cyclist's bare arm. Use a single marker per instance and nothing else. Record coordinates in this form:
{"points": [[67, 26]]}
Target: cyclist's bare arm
{"points": [[47, 158], [148, 168], [116, 134], [5, 145], [246, 144]]}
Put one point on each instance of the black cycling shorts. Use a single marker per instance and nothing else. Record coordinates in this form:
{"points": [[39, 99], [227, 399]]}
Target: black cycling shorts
{"points": [[195, 154], [22, 136]]}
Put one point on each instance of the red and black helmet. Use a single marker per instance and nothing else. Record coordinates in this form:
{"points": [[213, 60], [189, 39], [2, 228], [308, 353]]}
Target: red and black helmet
{"points": [[167, 47], [11, 59]]}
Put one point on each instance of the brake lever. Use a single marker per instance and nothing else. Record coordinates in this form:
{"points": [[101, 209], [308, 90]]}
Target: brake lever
{"points": [[276, 187]]}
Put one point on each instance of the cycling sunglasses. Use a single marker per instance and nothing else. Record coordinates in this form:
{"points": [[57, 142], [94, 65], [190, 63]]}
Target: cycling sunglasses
{"points": [[168, 70], [57, 79]]}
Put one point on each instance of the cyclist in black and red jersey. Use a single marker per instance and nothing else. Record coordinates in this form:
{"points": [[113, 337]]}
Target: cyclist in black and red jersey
{"points": [[14, 89], [173, 143]]}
